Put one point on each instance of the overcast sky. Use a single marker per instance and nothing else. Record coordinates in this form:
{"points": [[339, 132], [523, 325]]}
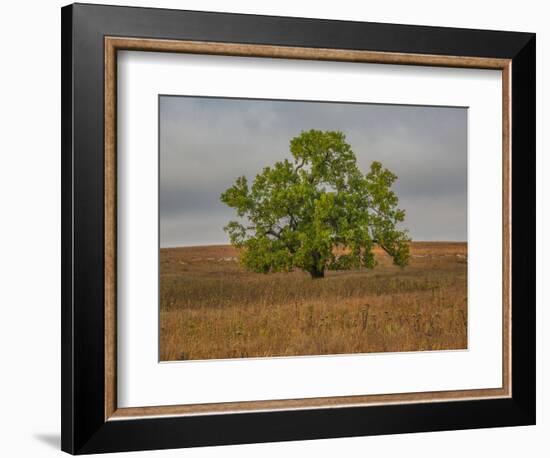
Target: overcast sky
{"points": [[206, 143]]}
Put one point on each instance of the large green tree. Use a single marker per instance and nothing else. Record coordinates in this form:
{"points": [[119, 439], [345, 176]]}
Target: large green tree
{"points": [[317, 211]]}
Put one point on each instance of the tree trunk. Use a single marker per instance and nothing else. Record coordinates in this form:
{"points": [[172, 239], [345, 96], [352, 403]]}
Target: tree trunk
{"points": [[315, 273]]}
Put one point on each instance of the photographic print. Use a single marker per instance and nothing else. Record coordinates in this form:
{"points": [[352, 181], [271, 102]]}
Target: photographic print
{"points": [[294, 228]]}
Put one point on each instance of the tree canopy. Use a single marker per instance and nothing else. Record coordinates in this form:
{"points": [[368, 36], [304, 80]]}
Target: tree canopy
{"points": [[317, 211]]}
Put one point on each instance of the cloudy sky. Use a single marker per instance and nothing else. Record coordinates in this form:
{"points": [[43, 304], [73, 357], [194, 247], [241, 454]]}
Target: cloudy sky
{"points": [[206, 143]]}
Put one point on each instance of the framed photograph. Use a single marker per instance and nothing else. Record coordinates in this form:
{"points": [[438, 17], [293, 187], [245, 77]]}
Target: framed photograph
{"points": [[283, 228]]}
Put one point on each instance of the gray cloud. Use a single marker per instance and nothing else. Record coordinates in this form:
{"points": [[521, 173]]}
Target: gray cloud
{"points": [[206, 143]]}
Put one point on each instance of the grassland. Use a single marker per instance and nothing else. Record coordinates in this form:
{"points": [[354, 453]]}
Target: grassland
{"points": [[211, 308]]}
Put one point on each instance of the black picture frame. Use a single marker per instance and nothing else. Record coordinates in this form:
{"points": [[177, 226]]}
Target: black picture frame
{"points": [[84, 429]]}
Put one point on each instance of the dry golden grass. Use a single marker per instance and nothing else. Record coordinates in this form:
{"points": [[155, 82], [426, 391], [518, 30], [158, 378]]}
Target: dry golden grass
{"points": [[211, 308]]}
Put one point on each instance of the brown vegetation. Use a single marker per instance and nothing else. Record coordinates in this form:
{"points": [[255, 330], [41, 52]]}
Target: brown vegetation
{"points": [[211, 308]]}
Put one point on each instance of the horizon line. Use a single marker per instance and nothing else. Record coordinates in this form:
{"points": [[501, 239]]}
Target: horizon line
{"points": [[229, 244]]}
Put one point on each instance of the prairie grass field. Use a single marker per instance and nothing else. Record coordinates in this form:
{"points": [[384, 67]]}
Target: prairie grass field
{"points": [[211, 308]]}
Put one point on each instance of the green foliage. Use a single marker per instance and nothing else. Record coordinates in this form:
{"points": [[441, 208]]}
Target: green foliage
{"points": [[317, 211]]}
